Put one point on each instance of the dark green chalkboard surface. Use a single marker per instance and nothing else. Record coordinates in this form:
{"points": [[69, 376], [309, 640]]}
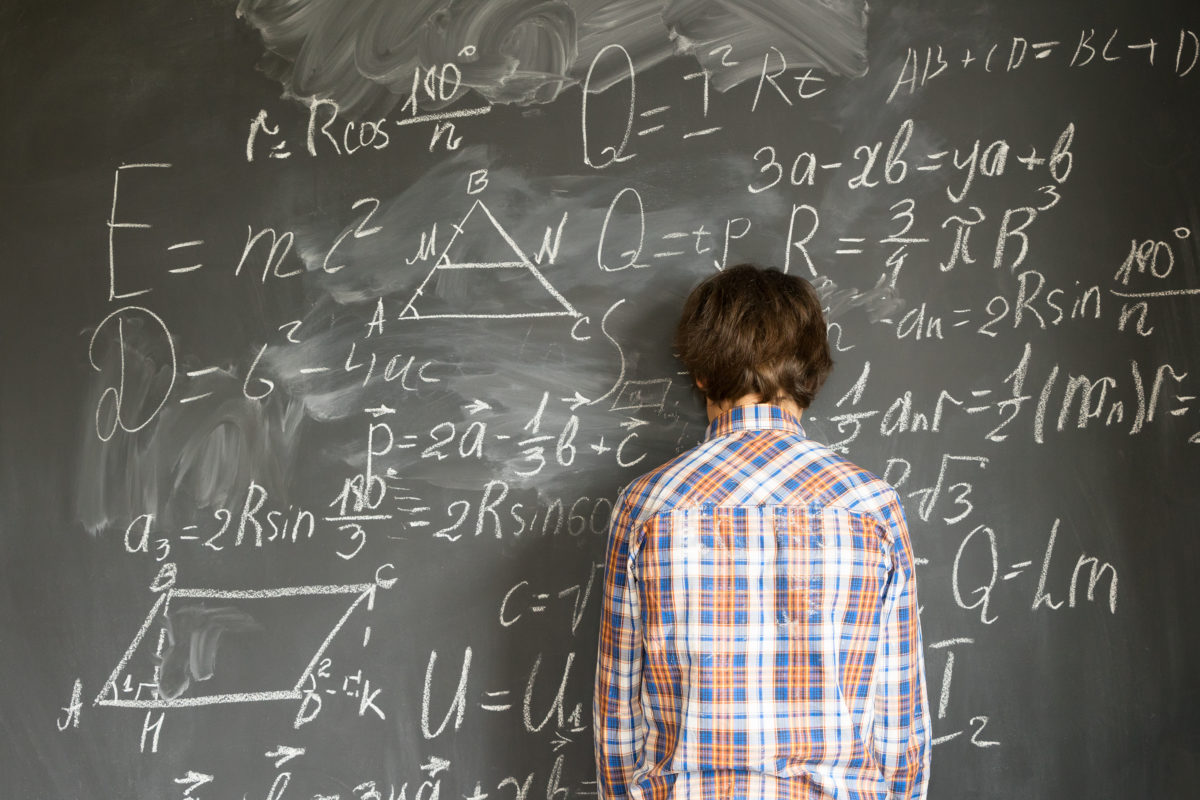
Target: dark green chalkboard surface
{"points": [[330, 332]]}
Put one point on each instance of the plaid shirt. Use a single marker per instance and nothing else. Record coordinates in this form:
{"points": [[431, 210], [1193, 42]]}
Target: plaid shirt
{"points": [[759, 635]]}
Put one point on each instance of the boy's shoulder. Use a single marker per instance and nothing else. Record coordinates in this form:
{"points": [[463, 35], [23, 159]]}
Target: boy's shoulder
{"points": [[834, 481]]}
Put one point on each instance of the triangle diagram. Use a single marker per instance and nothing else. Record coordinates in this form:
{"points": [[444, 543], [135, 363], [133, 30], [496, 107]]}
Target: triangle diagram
{"points": [[483, 274]]}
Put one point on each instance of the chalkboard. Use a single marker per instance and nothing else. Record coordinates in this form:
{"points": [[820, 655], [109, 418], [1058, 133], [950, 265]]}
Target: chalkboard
{"points": [[331, 332]]}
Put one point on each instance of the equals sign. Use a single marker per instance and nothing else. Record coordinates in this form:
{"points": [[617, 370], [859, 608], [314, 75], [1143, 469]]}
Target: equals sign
{"points": [[650, 113], [963, 312], [1017, 569], [979, 393], [199, 373], [670, 253], [180, 246], [542, 598], [496, 706], [1044, 49], [1182, 398], [850, 250], [934, 157]]}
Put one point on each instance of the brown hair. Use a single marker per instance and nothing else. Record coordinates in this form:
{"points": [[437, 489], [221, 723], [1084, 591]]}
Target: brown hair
{"points": [[748, 330]]}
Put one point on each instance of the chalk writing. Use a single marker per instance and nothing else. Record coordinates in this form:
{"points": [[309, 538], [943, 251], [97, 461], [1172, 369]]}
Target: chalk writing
{"points": [[366, 372]]}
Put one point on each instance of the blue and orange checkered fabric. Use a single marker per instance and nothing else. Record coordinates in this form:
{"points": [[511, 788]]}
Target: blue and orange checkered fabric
{"points": [[759, 635]]}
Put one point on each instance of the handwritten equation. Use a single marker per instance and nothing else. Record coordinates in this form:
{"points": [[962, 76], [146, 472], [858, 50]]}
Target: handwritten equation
{"points": [[375, 508]]}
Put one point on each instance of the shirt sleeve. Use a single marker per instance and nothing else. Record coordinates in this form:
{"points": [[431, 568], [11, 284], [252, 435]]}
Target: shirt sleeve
{"points": [[617, 709], [902, 732]]}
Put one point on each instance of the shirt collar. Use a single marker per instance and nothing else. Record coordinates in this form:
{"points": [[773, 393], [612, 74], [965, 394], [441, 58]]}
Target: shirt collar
{"points": [[759, 416]]}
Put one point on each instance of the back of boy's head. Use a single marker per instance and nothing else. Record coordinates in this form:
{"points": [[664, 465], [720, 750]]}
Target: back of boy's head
{"points": [[752, 331]]}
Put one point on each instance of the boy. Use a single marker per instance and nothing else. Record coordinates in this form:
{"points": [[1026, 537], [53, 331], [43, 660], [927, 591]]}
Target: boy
{"points": [[759, 634]]}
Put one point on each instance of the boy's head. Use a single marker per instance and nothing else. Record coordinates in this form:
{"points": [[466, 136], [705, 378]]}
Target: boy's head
{"points": [[747, 331]]}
